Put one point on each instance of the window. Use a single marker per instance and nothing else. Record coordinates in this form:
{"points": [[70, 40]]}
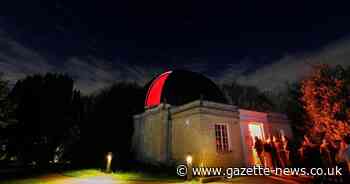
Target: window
{"points": [[221, 136]]}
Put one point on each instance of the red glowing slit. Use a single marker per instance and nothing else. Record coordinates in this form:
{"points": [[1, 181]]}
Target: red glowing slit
{"points": [[155, 90]]}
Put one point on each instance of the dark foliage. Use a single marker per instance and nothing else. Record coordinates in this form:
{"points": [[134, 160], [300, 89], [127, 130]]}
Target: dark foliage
{"points": [[44, 105], [109, 125], [6, 106], [247, 97], [293, 107]]}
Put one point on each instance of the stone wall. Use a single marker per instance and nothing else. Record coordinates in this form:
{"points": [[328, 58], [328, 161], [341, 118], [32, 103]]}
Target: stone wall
{"points": [[194, 133], [150, 135]]}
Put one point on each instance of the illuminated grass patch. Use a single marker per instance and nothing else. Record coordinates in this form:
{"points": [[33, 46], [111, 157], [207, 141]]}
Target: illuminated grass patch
{"points": [[93, 174]]}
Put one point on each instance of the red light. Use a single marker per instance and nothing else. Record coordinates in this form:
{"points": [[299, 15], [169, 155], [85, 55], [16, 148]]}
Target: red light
{"points": [[155, 90]]}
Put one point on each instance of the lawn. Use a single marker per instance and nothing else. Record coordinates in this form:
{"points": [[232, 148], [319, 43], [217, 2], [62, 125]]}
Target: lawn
{"points": [[83, 176], [124, 176]]}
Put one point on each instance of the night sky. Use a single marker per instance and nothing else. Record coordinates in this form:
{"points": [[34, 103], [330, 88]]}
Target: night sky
{"points": [[100, 42]]}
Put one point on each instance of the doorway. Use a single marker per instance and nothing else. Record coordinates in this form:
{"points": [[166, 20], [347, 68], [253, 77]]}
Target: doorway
{"points": [[255, 130]]}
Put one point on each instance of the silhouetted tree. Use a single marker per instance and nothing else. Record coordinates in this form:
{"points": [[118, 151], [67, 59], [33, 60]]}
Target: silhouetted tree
{"points": [[110, 124], [6, 105], [44, 114], [247, 97], [7, 119], [291, 104]]}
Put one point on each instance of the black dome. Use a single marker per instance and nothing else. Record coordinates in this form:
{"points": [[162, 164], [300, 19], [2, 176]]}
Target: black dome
{"points": [[179, 87]]}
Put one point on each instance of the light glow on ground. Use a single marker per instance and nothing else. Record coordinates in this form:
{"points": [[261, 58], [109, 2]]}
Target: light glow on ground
{"points": [[94, 176]]}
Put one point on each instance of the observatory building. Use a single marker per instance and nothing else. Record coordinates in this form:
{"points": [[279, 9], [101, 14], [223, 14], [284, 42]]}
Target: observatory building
{"points": [[187, 114]]}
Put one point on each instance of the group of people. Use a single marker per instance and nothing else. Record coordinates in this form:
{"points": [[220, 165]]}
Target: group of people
{"points": [[273, 152], [325, 154], [279, 152]]}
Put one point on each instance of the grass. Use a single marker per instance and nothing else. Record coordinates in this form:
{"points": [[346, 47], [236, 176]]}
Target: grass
{"points": [[91, 173], [84, 173], [122, 175], [144, 176]]}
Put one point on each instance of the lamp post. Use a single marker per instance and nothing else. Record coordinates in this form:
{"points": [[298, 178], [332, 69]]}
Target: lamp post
{"points": [[109, 161], [189, 167]]}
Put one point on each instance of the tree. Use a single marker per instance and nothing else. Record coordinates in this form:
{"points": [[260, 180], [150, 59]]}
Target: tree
{"points": [[248, 97], [4, 113], [109, 127], [43, 111], [326, 100], [6, 106], [290, 103]]}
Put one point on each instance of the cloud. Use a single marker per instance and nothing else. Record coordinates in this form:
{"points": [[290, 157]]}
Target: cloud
{"points": [[93, 74], [16, 61], [90, 74], [291, 68]]}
